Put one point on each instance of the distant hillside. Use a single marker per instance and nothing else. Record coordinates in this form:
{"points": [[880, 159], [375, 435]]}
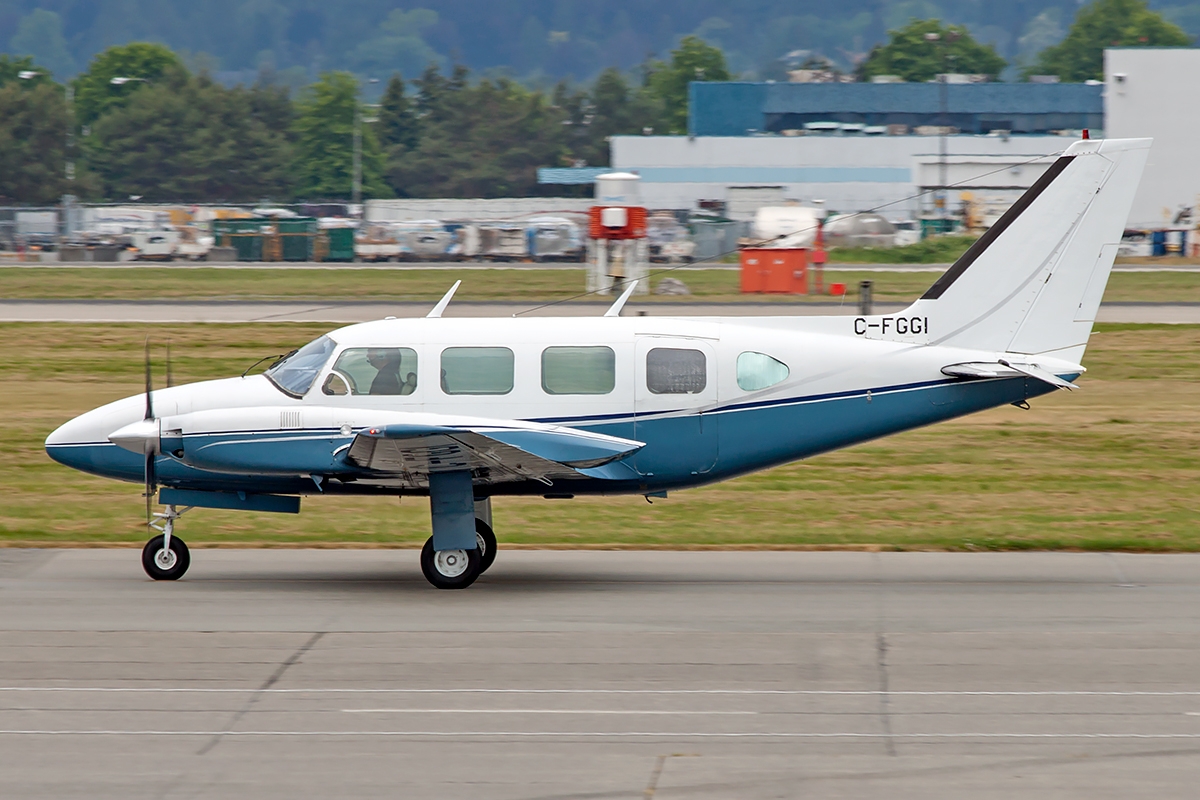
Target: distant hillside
{"points": [[533, 40]]}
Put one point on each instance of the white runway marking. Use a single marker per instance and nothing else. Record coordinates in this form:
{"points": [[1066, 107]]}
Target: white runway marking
{"points": [[612, 734], [819, 692], [540, 711]]}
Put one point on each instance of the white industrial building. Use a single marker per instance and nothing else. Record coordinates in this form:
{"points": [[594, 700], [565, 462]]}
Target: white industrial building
{"points": [[1150, 91], [847, 173], [1147, 92], [472, 208]]}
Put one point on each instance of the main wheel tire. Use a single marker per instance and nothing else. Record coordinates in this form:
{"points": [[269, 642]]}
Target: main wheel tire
{"points": [[165, 565], [487, 544], [450, 569]]}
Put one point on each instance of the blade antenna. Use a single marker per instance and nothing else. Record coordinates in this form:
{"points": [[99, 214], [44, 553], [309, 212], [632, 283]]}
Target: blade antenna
{"points": [[445, 301], [170, 376], [615, 309]]}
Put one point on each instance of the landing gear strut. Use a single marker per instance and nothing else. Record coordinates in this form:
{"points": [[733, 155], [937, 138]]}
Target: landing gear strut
{"points": [[166, 557], [463, 545]]}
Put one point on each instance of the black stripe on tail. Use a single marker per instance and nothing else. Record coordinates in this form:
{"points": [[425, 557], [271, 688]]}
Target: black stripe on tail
{"points": [[993, 233]]}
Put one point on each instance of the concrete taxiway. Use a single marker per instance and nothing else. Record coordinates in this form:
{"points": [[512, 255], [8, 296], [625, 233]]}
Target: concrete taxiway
{"points": [[596, 675], [169, 311]]}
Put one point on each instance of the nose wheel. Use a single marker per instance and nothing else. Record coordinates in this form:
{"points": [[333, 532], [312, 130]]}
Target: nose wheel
{"points": [[166, 557]]}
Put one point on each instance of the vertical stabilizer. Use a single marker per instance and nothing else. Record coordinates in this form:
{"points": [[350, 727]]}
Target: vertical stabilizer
{"points": [[1033, 282]]}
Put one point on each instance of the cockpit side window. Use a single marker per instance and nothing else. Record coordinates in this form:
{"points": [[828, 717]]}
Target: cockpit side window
{"points": [[296, 373], [373, 370]]}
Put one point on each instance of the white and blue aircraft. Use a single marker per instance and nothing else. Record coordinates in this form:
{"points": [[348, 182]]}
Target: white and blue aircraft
{"points": [[463, 410]]}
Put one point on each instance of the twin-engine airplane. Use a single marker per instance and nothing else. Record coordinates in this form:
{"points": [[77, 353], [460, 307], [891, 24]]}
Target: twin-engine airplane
{"points": [[466, 409]]}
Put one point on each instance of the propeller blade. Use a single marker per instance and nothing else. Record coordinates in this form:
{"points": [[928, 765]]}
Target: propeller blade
{"points": [[170, 377], [149, 402], [151, 486]]}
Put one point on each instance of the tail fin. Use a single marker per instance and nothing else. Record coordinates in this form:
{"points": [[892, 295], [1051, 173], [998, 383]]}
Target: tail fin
{"points": [[1033, 282]]}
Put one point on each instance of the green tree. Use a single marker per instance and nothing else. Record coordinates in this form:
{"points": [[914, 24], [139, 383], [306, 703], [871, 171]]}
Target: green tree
{"points": [[1106, 23], [40, 35], [191, 139], [398, 44], [398, 124], [693, 60], [485, 140], [95, 93], [33, 126], [324, 130], [12, 68], [612, 107], [913, 54]]}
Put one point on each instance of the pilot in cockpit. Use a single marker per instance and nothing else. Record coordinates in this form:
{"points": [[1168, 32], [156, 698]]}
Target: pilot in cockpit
{"points": [[387, 380]]}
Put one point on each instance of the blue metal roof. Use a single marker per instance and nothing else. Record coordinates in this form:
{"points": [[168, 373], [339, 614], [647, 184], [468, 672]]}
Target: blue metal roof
{"points": [[734, 108]]}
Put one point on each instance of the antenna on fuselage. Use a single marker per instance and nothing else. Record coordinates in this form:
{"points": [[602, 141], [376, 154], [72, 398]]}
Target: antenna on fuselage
{"points": [[445, 301], [615, 309]]}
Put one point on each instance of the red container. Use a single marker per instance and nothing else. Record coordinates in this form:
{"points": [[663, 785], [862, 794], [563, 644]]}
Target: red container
{"points": [[634, 228], [837, 289], [767, 270]]}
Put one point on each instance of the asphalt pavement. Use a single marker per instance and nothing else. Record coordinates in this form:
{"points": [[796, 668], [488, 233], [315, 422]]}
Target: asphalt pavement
{"points": [[285, 673]]}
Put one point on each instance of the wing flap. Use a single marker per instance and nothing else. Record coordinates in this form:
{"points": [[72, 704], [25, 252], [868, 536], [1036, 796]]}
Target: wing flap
{"points": [[523, 451]]}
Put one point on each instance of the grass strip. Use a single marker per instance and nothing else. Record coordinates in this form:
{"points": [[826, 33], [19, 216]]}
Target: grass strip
{"points": [[1109, 467]]}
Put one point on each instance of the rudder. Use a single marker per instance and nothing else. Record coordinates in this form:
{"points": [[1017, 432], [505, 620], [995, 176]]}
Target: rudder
{"points": [[1033, 282]]}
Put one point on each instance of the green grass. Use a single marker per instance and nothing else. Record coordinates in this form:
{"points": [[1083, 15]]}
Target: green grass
{"points": [[1110, 467], [934, 250], [509, 285]]}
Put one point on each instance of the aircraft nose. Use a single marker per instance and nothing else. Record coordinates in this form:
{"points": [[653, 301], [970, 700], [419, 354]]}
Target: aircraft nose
{"points": [[82, 443], [67, 444]]}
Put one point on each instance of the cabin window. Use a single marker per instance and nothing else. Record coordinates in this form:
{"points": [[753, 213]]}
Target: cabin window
{"points": [[373, 370], [758, 371], [295, 373], [672, 370], [477, 370], [579, 370]]}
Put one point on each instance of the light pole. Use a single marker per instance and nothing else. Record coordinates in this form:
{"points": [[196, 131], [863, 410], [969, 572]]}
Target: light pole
{"points": [[943, 112], [30, 74], [356, 187]]}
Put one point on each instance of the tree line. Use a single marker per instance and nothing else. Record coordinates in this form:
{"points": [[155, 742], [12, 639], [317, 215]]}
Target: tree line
{"points": [[536, 41], [139, 124]]}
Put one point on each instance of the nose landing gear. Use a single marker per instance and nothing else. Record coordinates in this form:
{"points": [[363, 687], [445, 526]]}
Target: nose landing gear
{"points": [[166, 557]]}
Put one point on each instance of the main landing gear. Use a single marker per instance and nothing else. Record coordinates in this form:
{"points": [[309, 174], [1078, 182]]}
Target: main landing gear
{"points": [[458, 569], [166, 557], [459, 560]]}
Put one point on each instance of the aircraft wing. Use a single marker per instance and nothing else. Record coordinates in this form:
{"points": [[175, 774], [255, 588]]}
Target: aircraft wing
{"points": [[495, 454], [1007, 369]]}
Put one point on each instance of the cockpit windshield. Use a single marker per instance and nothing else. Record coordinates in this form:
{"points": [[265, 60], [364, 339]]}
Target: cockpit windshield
{"points": [[296, 373]]}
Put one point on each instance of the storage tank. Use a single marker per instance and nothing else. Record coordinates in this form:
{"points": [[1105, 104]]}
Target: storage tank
{"points": [[787, 226], [618, 189], [859, 230]]}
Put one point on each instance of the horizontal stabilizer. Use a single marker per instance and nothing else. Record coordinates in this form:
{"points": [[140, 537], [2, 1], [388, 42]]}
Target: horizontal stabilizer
{"points": [[981, 370]]}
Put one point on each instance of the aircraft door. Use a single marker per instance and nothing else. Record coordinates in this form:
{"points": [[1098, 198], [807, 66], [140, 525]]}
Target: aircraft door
{"points": [[675, 389]]}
